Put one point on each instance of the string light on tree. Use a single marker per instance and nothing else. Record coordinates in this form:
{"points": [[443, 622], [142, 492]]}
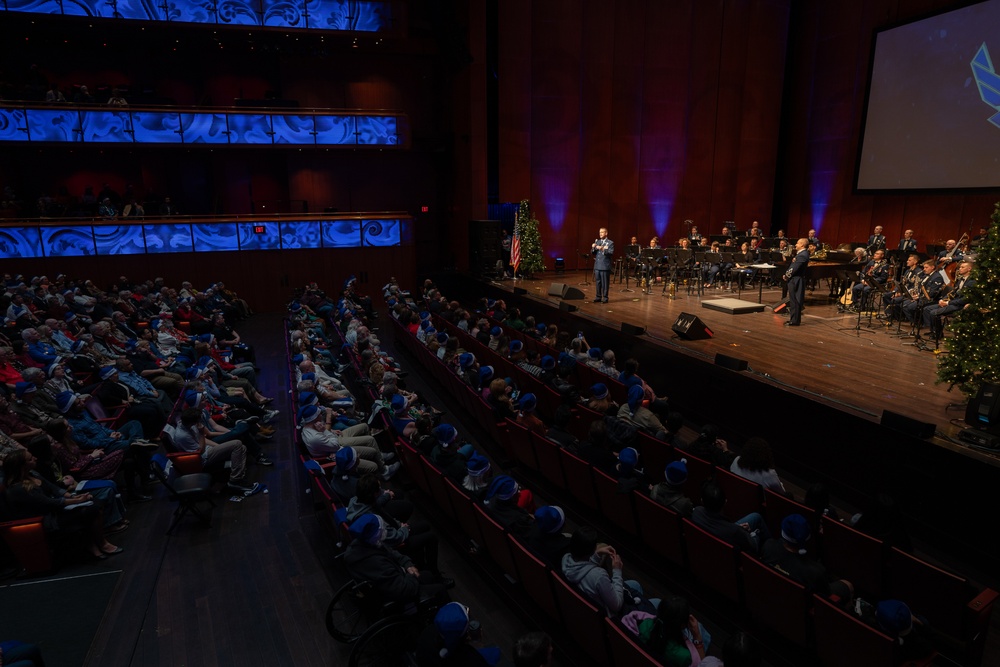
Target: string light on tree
{"points": [[530, 240], [973, 350]]}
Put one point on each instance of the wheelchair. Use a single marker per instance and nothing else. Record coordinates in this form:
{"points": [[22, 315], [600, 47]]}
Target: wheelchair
{"points": [[379, 632]]}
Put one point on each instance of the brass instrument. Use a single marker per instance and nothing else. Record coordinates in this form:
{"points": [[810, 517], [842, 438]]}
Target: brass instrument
{"points": [[923, 288], [821, 252]]}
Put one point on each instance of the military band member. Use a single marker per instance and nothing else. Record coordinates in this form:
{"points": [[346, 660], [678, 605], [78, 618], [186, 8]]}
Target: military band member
{"points": [[906, 287], [928, 289], [877, 240], [795, 276], [876, 271], [952, 300], [907, 244]]}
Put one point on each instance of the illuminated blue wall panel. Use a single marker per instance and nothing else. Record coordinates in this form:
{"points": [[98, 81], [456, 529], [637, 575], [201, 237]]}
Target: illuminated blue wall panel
{"points": [[238, 12], [138, 10], [168, 238], [376, 130], [119, 240], [13, 125], [137, 239], [68, 241], [20, 242], [249, 129], [204, 128], [215, 237], [340, 15], [332, 130], [54, 125], [98, 126], [107, 127], [341, 233], [155, 127], [269, 240], [301, 235], [381, 233], [293, 129]]}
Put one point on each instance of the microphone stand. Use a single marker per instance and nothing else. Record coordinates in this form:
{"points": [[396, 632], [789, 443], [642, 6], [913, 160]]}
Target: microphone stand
{"points": [[586, 271]]}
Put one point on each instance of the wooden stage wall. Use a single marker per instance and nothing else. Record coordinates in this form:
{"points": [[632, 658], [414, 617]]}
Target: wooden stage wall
{"points": [[816, 394]]}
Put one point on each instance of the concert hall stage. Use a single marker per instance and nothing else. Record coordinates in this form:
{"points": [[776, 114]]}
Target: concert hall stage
{"points": [[816, 391]]}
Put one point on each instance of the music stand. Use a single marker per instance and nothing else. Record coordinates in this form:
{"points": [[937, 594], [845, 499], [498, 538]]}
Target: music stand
{"points": [[586, 271], [629, 264]]}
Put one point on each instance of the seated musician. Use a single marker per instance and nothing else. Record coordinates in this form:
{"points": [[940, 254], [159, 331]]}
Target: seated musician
{"points": [[744, 259], [877, 240], [859, 260], [712, 265], [928, 290], [754, 230], [876, 271], [907, 244], [811, 238], [781, 236], [725, 232], [952, 300], [694, 237], [951, 253], [906, 287], [632, 255]]}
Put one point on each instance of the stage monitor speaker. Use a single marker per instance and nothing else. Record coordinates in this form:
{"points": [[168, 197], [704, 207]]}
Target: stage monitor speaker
{"points": [[732, 363], [568, 307], [983, 411], [690, 327], [781, 306], [564, 291], [632, 329], [520, 290], [907, 425]]}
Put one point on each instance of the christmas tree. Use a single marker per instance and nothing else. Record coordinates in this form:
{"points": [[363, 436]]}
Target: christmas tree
{"points": [[526, 227], [973, 357]]}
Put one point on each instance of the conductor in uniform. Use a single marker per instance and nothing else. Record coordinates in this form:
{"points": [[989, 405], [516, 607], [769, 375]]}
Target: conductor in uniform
{"points": [[603, 250], [795, 275]]}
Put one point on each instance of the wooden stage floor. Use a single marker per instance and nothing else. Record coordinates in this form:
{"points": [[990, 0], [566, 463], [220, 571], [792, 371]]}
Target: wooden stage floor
{"points": [[826, 357]]}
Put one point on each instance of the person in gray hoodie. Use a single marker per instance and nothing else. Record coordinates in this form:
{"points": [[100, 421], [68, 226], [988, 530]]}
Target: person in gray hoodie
{"points": [[584, 567]]}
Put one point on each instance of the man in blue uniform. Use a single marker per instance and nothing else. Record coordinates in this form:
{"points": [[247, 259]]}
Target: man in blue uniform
{"points": [[795, 275], [603, 250]]}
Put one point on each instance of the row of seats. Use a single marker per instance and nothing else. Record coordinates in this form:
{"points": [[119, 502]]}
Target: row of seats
{"points": [[773, 601]]}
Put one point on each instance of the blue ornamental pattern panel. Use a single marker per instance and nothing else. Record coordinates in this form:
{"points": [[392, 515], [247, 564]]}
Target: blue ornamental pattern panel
{"points": [[155, 127], [119, 240], [341, 233], [215, 237], [168, 238], [381, 233], [136, 239], [68, 241], [293, 129], [97, 126], [329, 15], [204, 128], [106, 127], [13, 125], [377, 130], [332, 130], [61, 125], [20, 242], [250, 240], [249, 129], [304, 234]]}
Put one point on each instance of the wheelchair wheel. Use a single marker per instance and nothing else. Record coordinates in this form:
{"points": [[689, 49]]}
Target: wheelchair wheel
{"points": [[391, 641], [346, 617]]}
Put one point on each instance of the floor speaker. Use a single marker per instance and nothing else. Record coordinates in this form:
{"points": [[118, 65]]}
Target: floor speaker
{"points": [[690, 327], [907, 425], [732, 363], [781, 306], [983, 411], [520, 290], [632, 329], [564, 291], [568, 307]]}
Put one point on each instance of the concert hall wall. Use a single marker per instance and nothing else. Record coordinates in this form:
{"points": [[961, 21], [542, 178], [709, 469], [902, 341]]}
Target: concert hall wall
{"points": [[639, 114], [829, 52]]}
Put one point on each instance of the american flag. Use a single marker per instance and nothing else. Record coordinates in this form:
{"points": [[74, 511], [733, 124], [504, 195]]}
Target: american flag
{"points": [[515, 244]]}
